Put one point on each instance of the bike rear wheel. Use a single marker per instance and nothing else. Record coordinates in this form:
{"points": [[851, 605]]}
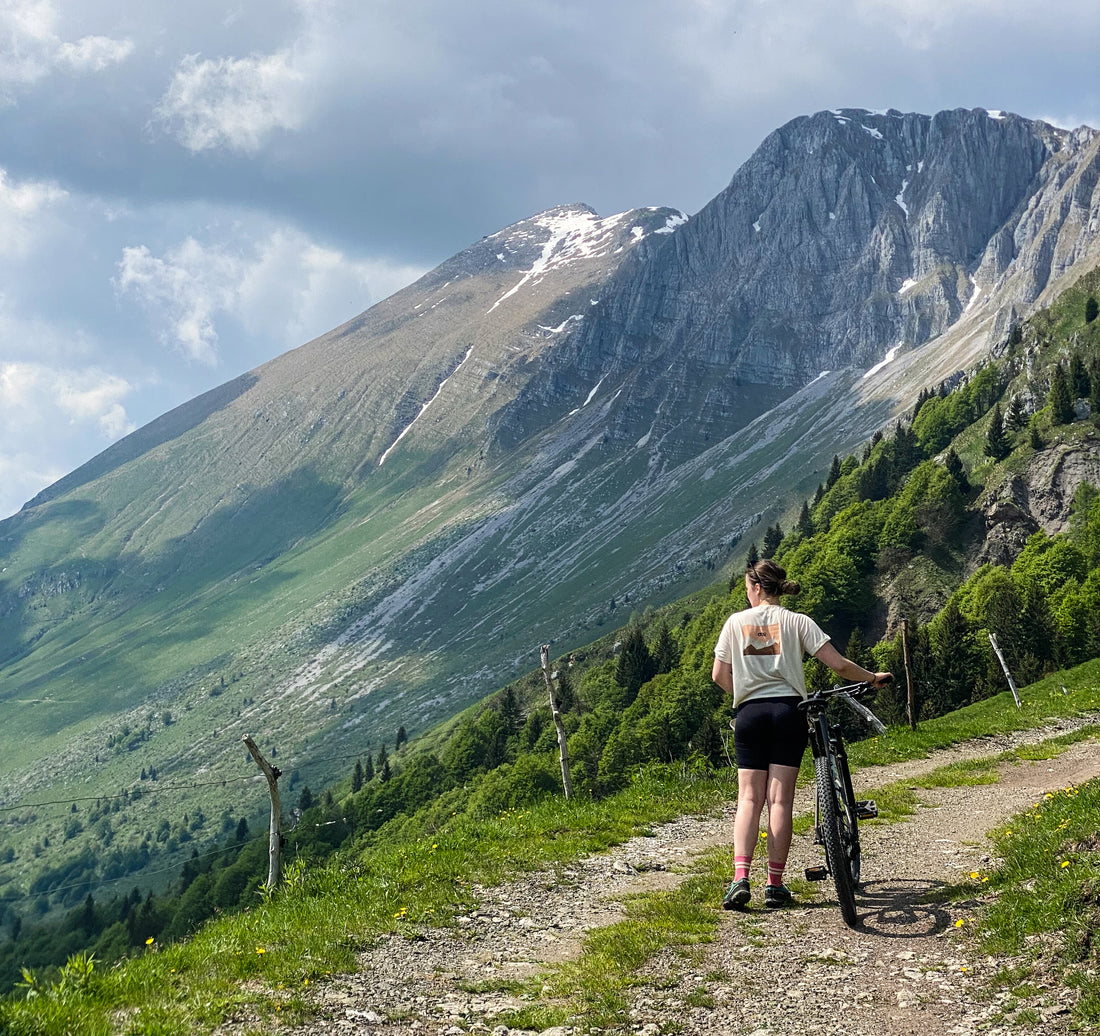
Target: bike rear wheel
{"points": [[838, 824]]}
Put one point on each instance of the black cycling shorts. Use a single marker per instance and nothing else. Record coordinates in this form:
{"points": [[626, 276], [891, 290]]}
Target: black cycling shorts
{"points": [[770, 731]]}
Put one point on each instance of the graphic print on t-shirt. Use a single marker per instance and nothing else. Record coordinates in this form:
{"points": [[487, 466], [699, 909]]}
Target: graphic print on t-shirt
{"points": [[760, 640]]}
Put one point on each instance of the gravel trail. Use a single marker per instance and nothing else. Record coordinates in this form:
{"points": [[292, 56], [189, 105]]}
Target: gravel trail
{"points": [[767, 973]]}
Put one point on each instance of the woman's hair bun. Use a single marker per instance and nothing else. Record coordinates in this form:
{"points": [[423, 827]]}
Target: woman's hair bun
{"points": [[772, 577]]}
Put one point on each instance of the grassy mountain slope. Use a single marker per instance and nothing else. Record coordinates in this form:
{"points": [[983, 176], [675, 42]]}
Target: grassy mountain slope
{"points": [[901, 531], [262, 561]]}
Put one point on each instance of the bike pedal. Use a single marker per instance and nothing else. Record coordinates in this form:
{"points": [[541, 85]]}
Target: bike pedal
{"points": [[867, 809], [816, 873]]}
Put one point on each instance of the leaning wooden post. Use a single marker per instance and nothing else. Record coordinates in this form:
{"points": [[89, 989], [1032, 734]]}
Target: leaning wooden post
{"points": [[275, 842], [1004, 666], [910, 690], [563, 745]]}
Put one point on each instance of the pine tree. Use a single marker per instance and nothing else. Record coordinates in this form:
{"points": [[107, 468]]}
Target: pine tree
{"points": [[635, 665], [368, 770], [1078, 378], [401, 738], [997, 445], [955, 469], [357, 777], [805, 520], [383, 765], [567, 695], [1017, 415], [1061, 405], [510, 711], [665, 654], [305, 800], [834, 473], [1092, 309], [751, 558], [772, 538]]}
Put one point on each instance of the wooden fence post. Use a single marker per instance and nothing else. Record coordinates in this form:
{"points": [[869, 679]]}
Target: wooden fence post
{"points": [[1004, 666], [910, 690], [275, 840], [563, 745]]}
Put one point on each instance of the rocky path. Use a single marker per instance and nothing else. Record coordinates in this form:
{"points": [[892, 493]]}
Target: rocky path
{"points": [[767, 973]]}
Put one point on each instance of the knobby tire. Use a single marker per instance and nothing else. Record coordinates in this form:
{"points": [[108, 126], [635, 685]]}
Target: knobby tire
{"points": [[836, 824]]}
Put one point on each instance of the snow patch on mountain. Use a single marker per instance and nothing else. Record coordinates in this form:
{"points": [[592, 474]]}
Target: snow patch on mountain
{"points": [[574, 233], [890, 355], [438, 393]]}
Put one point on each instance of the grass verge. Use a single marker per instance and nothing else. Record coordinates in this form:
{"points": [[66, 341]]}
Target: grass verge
{"points": [[260, 964]]}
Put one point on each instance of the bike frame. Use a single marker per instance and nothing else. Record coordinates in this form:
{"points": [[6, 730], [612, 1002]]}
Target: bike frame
{"points": [[837, 812]]}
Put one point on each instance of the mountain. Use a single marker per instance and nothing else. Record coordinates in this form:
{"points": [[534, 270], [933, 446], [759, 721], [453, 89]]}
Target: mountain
{"points": [[572, 418]]}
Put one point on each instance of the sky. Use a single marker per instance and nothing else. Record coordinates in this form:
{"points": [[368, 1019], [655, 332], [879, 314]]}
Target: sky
{"points": [[190, 189]]}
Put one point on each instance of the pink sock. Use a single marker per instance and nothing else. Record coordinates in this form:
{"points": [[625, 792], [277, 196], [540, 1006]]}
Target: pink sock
{"points": [[741, 867], [775, 872]]}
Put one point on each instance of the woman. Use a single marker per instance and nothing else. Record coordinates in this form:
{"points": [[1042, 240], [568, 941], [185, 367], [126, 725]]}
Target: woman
{"points": [[758, 659]]}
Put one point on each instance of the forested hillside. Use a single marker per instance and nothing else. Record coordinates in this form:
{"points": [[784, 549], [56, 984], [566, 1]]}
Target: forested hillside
{"points": [[949, 522]]}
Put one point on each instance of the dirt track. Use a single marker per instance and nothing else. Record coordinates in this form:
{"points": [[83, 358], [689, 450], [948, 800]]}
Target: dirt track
{"points": [[907, 970]]}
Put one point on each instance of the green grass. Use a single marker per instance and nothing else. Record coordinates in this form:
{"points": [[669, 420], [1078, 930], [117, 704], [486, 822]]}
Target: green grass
{"points": [[264, 961], [1047, 895]]}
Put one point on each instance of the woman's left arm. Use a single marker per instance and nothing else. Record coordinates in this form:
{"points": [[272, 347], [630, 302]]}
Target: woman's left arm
{"points": [[846, 668], [722, 674]]}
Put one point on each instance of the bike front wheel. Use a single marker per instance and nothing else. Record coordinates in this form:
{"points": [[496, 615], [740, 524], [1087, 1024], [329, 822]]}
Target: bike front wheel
{"points": [[838, 824]]}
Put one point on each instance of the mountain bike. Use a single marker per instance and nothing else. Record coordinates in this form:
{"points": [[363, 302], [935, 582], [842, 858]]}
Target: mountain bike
{"points": [[838, 811]]}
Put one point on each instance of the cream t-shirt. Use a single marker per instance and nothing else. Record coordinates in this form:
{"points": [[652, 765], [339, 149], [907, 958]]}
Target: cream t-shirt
{"points": [[764, 646]]}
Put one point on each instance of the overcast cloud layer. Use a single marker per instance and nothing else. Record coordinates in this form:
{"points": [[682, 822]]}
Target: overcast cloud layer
{"points": [[189, 189]]}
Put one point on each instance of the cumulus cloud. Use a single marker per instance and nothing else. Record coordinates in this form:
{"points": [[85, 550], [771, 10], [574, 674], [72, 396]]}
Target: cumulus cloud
{"points": [[30, 47], [281, 286], [185, 288], [42, 410], [21, 204], [94, 53], [233, 103]]}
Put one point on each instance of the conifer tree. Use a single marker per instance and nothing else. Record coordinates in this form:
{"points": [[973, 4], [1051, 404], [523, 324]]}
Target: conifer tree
{"points": [[805, 521], [665, 653], [1061, 404], [567, 693], [751, 558], [1017, 416], [383, 765], [510, 711], [368, 770], [1078, 378], [635, 665], [955, 469], [357, 777], [997, 445], [401, 738], [1092, 309], [834, 473], [773, 536]]}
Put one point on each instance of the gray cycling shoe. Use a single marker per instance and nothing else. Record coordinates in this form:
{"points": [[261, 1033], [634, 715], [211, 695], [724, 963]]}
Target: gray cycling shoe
{"points": [[737, 895], [778, 896]]}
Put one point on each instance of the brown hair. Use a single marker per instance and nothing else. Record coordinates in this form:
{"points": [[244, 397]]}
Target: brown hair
{"points": [[771, 578]]}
